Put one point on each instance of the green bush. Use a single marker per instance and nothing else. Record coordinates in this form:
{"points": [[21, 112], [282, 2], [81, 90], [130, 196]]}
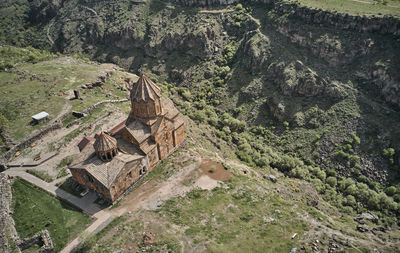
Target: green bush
{"points": [[239, 7], [223, 71], [331, 172], [332, 181], [350, 200], [389, 154], [299, 172], [391, 190], [9, 56]]}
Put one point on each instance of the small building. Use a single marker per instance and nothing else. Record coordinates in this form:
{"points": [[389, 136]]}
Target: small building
{"points": [[37, 118], [111, 162]]}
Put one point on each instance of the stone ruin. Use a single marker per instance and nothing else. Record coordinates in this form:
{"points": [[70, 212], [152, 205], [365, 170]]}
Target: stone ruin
{"points": [[41, 239], [7, 227]]}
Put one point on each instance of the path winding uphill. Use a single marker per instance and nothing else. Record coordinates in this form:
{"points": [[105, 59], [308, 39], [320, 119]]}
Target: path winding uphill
{"points": [[86, 203], [148, 196]]}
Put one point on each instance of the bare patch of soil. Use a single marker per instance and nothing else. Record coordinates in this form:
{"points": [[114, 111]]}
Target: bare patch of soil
{"points": [[215, 170]]}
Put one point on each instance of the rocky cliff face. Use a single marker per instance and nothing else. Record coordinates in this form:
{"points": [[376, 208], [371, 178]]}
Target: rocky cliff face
{"points": [[383, 25], [7, 229]]}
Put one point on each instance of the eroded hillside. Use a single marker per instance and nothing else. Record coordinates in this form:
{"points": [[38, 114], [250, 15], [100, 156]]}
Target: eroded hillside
{"points": [[310, 93]]}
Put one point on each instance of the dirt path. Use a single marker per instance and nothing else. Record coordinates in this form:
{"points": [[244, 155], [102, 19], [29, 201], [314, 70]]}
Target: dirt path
{"points": [[154, 193]]}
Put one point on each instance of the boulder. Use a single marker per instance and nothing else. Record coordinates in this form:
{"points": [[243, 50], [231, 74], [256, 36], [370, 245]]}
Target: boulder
{"points": [[362, 228], [366, 217], [271, 178]]}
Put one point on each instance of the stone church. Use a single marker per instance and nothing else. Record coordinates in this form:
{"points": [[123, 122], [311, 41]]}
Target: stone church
{"points": [[113, 161]]}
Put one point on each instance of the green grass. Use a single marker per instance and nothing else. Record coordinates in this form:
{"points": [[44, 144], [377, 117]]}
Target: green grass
{"points": [[65, 162], [62, 173], [366, 7], [40, 82], [41, 174], [35, 209], [234, 220]]}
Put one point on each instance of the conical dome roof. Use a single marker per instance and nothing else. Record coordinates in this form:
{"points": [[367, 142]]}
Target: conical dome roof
{"points": [[105, 143], [144, 89]]}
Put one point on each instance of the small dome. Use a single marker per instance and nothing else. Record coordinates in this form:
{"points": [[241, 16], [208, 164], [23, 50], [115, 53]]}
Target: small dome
{"points": [[105, 143]]}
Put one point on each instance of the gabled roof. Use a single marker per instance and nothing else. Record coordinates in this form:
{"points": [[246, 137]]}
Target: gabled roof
{"points": [[169, 108], [104, 143], [104, 172], [138, 130], [118, 127], [82, 144], [144, 89]]}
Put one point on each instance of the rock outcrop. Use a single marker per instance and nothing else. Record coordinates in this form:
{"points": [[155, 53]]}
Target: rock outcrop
{"points": [[7, 229], [256, 51], [299, 80], [389, 87]]}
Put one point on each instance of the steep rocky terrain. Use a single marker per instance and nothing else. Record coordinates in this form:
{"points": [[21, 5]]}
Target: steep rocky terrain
{"points": [[311, 93]]}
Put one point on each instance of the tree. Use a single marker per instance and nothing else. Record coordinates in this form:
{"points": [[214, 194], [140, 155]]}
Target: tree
{"points": [[391, 190], [332, 181]]}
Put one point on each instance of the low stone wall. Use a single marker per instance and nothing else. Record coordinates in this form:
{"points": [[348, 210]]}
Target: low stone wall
{"points": [[41, 238], [32, 138], [92, 107], [52, 127]]}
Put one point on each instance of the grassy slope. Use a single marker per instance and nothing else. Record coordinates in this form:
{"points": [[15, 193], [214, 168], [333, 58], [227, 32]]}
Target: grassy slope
{"points": [[353, 7], [35, 210], [29, 88], [246, 214]]}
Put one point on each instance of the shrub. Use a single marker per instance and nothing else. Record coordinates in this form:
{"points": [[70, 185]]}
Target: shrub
{"points": [[239, 7], [199, 116], [389, 153], [299, 172], [316, 171], [263, 161], [229, 52], [332, 181], [391, 190], [331, 172], [351, 190], [287, 163], [223, 71], [386, 202], [350, 200], [356, 139], [373, 200]]}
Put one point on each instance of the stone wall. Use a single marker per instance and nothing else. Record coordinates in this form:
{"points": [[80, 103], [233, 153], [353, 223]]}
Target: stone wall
{"points": [[7, 228], [37, 135], [179, 135], [41, 238], [32, 138]]}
